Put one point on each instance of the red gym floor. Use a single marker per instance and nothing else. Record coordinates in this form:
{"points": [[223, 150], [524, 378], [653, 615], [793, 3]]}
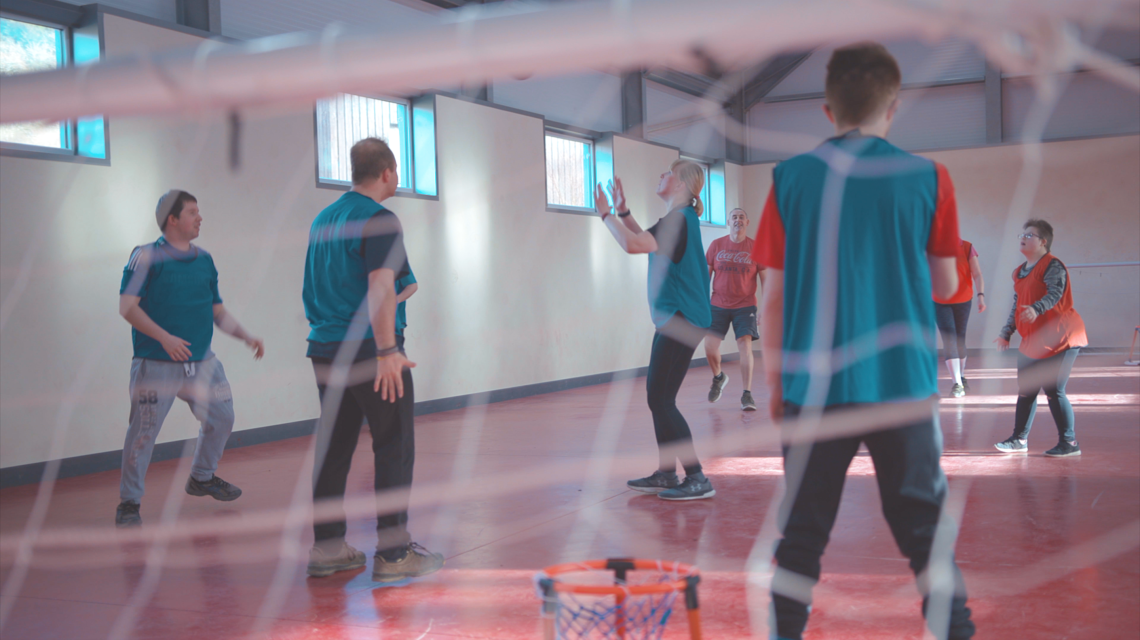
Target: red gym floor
{"points": [[1049, 547]]}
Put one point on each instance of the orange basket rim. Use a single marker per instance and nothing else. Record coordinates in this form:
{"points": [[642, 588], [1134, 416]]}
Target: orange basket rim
{"points": [[683, 570]]}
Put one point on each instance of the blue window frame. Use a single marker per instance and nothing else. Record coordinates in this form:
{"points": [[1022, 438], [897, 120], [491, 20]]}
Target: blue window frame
{"points": [[28, 47], [569, 172]]}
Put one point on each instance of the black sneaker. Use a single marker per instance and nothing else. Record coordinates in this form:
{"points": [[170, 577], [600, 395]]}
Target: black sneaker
{"points": [[656, 483], [746, 402], [1064, 449], [965, 383], [416, 562], [717, 386], [127, 515], [1012, 445], [957, 391], [215, 487], [693, 488]]}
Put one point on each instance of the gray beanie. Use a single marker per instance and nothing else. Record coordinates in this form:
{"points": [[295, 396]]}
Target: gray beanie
{"points": [[165, 206]]}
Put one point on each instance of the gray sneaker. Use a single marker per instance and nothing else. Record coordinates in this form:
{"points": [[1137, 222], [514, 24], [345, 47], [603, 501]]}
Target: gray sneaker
{"points": [[717, 386], [327, 559], [417, 561], [127, 515], [1012, 445], [656, 483], [957, 391], [1064, 449], [215, 487], [693, 488], [746, 402]]}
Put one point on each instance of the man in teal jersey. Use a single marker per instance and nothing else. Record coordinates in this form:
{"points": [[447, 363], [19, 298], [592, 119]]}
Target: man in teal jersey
{"points": [[355, 257], [169, 295], [856, 236]]}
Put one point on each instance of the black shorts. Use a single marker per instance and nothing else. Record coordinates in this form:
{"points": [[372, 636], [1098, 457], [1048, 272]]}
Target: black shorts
{"points": [[743, 322]]}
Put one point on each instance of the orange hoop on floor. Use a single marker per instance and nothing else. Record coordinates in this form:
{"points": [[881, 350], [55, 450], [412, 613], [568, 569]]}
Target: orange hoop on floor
{"points": [[621, 609]]}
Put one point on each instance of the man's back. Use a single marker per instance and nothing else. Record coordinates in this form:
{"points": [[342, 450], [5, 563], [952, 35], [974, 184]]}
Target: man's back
{"points": [[859, 216]]}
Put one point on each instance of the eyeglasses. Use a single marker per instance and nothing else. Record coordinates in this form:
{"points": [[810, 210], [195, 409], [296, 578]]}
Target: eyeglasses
{"points": [[1026, 236]]}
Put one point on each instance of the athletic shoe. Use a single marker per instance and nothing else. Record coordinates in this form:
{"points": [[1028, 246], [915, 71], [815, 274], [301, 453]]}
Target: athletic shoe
{"points": [[656, 483], [746, 402], [695, 487], [1012, 445], [215, 487], [127, 515], [325, 560], [1064, 449], [416, 562], [957, 391], [965, 383], [717, 386]]}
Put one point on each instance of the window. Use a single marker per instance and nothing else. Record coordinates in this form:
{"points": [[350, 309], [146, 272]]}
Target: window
{"points": [[345, 119], [569, 172], [712, 195], [28, 47]]}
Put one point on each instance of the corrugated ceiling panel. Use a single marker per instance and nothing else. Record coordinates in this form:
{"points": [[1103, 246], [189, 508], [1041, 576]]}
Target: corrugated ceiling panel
{"points": [[591, 100], [1089, 106], [920, 63]]}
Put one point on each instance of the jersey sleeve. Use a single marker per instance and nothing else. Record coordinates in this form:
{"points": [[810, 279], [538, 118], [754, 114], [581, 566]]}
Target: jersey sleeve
{"points": [[768, 249], [671, 236], [943, 241], [214, 282], [136, 275], [383, 244]]}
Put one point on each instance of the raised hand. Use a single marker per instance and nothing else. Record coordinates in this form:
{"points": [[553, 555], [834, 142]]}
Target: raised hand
{"points": [[617, 193], [601, 204]]}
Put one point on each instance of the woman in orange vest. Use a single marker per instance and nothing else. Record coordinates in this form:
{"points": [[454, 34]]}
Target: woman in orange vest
{"points": [[952, 314], [1052, 333]]}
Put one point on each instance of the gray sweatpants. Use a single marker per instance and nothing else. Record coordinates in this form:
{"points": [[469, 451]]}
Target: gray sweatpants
{"points": [[154, 386]]}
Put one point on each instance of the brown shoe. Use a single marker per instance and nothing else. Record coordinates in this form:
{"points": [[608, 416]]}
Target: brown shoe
{"points": [[325, 560], [417, 562]]}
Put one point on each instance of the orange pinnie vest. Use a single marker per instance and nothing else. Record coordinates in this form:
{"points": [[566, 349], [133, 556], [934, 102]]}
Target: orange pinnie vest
{"points": [[965, 278], [1055, 330]]}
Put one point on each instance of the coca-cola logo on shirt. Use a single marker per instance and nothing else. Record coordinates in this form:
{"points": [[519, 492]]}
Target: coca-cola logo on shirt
{"points": [[740, 257]]}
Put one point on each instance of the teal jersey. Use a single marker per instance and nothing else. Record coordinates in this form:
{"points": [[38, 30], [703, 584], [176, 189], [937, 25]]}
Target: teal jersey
{"points": [[678, 272], [401, 309], [178, 290], [853, 248], [348, 240]]}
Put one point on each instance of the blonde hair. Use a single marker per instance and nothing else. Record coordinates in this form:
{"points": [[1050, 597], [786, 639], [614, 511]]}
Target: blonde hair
{"points": [[693, 176]]}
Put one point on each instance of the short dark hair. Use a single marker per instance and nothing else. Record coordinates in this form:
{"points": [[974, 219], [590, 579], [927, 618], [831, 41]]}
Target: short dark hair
{"points": [[862, 79], [370, 157], [176, 208], [1044, 229]]}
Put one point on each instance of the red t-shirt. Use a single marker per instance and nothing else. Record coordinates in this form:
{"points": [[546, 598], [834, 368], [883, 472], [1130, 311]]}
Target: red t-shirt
{"points": [[734, 273]]}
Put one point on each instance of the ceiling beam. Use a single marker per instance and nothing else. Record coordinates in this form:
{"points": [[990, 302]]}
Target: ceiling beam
{"points": [[691, 84], [769, 75]]}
